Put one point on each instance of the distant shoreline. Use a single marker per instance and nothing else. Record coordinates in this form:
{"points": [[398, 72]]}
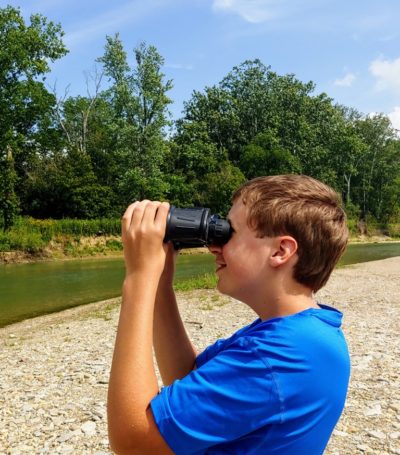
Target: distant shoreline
{"points": [[21, 257]]}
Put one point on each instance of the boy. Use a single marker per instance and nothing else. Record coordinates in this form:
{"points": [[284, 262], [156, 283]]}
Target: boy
{"points": [[277, 386]]}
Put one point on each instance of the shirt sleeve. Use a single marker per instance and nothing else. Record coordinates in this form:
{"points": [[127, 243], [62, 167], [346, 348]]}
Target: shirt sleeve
{"points": [[229, 396], [212, 350]]}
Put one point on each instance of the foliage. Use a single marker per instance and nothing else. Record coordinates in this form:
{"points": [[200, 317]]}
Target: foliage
{"points": [[33, 235], [8, 198], [25, 52], [89, 156], [206, 281], [138, 97]]}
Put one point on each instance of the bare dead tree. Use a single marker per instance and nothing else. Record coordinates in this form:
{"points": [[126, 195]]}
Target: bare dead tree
{"points": [[93, 88]]}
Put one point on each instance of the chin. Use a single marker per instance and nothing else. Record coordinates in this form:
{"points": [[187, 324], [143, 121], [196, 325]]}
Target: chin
{"points": [[220, 287], [224, 290]]}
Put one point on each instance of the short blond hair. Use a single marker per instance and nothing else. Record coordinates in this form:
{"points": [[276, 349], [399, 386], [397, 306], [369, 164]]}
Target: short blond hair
{"points": [[306, 209]]}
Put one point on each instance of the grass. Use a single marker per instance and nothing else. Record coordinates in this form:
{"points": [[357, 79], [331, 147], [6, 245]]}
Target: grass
{"points": [[35, 236], [206, 281], [79, 238], [374, 229], [105, 312]]}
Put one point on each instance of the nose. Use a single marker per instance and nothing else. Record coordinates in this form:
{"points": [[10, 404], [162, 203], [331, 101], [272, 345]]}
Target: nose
{"points": [[214, 249]]}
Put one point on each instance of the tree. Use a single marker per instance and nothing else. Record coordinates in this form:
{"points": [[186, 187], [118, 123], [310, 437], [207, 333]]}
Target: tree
{"points": [[25, 52], [64, 185], [251, 101], [217, 188], [8, 199], [265, 156], [140, 103], [73, 115], [236, 110], [375, 168]]}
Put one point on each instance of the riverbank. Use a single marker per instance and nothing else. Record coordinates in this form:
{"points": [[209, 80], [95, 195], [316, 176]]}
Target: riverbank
{"points": [[53, 380], [83, 248], [111, 246]]}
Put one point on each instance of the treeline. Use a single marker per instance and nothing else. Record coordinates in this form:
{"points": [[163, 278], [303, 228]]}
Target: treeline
{"points": [[89, 156]]}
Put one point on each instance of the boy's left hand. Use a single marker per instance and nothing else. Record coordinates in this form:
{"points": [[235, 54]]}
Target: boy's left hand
{"points": [[143, 232]]}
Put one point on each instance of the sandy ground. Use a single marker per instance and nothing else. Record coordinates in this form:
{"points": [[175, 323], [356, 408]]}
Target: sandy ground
{"points": [[54, 369]]}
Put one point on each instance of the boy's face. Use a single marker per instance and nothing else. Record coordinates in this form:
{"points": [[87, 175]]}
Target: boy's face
{"points": [[243, 263]]}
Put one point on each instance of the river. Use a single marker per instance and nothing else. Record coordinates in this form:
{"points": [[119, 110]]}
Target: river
{"points": [[28, 290]]}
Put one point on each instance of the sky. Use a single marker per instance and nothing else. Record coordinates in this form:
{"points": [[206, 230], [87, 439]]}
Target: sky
{"points": [[349, 49]]}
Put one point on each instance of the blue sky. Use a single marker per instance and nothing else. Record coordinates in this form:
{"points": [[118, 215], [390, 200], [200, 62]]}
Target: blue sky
{"points": [[350, 49]]}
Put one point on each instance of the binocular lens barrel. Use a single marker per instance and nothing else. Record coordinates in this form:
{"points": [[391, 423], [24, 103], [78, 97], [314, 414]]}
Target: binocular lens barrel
{"points": [[195, 227]]}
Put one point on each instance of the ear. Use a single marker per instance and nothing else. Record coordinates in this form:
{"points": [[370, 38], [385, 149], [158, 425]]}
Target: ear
{"points": [[286, 248]]}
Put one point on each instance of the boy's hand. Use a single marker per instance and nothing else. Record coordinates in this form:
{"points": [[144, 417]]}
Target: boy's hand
{"points": [[143, 231]]}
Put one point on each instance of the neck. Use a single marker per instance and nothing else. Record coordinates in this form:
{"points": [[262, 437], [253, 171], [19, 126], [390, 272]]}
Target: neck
{"points": [[284, 302]]}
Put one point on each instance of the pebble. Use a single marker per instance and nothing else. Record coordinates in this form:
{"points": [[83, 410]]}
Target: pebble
{"points": [[363, 448], [89, 428], [375, 410], [376, 434], [55, 369]]}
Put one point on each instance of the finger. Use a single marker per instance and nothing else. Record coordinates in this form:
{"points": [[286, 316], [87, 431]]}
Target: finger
{"points": [[162, 215], [127, 217], [138, 214], [150, 214]]}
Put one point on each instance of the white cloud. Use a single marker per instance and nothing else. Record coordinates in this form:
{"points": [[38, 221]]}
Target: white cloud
{"points": [[387, 38], [255, 11], [395, 118], [387, 73], [110, 21], [179, 66], [346, 81]]}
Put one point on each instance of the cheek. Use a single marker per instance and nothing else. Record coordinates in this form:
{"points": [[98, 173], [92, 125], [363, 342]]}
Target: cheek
{"points": [[235, 256]]}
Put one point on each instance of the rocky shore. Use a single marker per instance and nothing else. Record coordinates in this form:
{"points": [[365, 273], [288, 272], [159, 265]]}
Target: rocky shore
{"points": [[54, 369]]}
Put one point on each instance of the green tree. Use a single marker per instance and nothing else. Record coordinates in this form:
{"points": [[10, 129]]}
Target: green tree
{"points": [[251, 101], [265, 156], [25, 104], [216, 190], [139, 99], [8, 199], [64, 185], [378, 166]]}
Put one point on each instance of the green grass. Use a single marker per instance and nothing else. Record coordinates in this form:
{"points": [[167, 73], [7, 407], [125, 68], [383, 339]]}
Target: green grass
{"points": [[375, 228], [80, 228], [33, 236], [15, 240], [105, 312], [206, 281]]}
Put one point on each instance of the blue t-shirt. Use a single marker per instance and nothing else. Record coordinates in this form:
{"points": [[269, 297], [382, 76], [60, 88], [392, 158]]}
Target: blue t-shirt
{"points": [[274, 387]]}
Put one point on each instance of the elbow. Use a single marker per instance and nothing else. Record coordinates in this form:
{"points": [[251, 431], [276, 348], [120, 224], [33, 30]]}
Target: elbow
{"points": [[123, 446], [116, 445], [122, 440], [129, 437]]}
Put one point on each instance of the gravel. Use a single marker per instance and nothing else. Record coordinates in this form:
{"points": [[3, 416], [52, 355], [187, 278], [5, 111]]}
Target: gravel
{"points": [[54, 369]]}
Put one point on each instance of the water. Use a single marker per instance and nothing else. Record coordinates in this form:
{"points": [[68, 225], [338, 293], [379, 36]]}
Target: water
{"points": [[28, 290], [357, 253]]}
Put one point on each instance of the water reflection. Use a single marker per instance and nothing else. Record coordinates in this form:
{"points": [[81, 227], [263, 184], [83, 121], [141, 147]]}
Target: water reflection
{"points": [[28, 290]]}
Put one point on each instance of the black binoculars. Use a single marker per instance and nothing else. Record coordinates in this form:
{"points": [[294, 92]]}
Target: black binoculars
{"points": [[196, 227]]}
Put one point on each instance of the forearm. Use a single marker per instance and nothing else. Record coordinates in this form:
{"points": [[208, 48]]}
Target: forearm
{"points": [[133, 382], [174, 351]]}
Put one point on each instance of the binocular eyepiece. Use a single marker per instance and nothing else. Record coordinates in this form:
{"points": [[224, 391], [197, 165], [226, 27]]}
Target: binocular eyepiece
{"points": [[195, 227]]}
